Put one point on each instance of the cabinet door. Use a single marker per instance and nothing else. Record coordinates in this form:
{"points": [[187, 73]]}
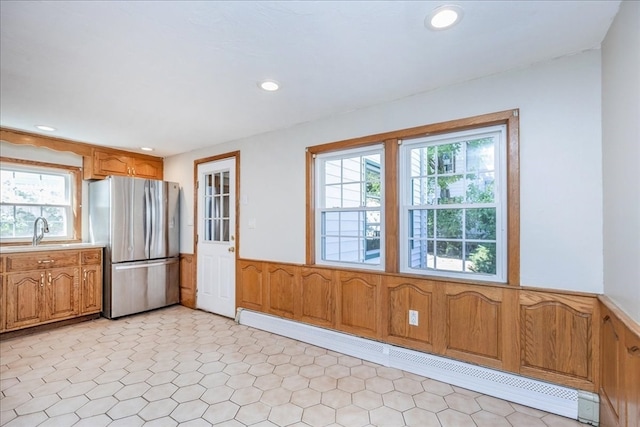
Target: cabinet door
{"points": [[62, 293], [110, 164], [147, 168], [91, 294], [3, 307], [24, 298]]}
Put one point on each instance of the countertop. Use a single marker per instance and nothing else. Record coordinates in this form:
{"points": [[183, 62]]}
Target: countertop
{"points": [[42, 247]]}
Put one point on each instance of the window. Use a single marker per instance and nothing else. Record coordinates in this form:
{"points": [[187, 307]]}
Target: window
{"points": [[349, 207], [453, 213], [30, 190], [451, 209]]}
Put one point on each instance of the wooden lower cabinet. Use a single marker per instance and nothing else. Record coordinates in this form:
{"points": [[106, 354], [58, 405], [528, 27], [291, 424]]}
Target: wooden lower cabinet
{"points": [[61, 294], [25, 292], [91, 291], [33, 294], [40, 296]]}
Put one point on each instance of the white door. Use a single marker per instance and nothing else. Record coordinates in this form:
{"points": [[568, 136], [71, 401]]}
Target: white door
{"points": [[216, 261]]}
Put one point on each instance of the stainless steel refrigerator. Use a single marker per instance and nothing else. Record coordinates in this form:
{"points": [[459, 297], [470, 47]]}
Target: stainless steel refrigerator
{"points": [[138, 222]]}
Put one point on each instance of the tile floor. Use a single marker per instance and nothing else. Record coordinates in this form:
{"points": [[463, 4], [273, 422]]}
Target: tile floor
{"points": [[178, 366]]}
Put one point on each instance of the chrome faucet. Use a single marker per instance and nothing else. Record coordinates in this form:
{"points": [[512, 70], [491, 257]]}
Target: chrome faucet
{"points": [[45, 229]]}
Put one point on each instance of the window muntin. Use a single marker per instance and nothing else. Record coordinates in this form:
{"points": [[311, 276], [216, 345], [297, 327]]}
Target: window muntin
{"points": [[29, 191], [454, 204], [349, 212]]}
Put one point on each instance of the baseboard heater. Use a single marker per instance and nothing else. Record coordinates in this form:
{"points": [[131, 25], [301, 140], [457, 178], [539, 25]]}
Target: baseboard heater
{"points": [[556, 399]]}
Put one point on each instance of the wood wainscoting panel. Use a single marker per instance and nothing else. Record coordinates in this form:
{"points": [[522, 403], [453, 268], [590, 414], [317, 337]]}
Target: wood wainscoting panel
{"points": [[359, 303], [631, 375], [399, 296], [474, 324], [558, 338], [610, 356], [249, 293], [281, 289], [620, 367], [317, 296], [187, 282]]}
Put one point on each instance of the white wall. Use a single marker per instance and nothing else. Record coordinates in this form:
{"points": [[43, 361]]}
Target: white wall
{"points": [[621, 158], [561, 167]]}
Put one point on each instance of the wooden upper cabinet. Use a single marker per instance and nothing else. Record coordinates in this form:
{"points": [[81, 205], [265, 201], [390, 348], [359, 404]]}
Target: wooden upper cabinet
{"points": [[105, 162]]}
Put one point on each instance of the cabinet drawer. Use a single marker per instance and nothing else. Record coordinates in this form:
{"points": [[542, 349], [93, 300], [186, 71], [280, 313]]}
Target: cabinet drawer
{"points": [[42, 260], [92, 257]]}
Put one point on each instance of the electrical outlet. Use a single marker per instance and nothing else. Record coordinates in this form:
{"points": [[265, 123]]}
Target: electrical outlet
{"points": [[413, 317]]}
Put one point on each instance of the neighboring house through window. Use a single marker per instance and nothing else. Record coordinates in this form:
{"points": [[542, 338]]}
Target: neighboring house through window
{"points": [[33, 189], [349, 207]]}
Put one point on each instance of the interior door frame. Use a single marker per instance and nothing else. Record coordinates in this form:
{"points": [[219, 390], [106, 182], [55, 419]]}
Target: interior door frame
{"points": [[230, 155]]}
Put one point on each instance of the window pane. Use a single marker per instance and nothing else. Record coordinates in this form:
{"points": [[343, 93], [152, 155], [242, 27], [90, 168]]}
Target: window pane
{"points": [[450, 158], [25, 217], [480, 224], [352, 195], [451, 189], [330, 223], [350, 250], [7, 221], [421, 223], [421, 255], [449, 256], [57, 220], [332, 172], [351, 223], [449, 223], [333, 196], [331, 248], [481, 154], [480, 187], [481, 257], [351, 169]]}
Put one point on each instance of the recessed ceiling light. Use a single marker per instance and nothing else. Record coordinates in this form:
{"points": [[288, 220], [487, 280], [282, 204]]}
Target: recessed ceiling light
{"points": [[444, 17], [45, 128], [146, 148], [269, 85]]}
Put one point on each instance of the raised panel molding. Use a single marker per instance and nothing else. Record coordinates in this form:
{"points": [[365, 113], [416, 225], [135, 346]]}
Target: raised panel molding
{"points": [[557, 337], [610, 386], [474, 326], [400, 296], [619, 367], [249, 294], [281, 287], [317, 297], [359, 306], [187, 282]]}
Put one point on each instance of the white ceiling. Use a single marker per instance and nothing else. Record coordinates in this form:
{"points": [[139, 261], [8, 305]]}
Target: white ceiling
{"points": [[181, 75]]}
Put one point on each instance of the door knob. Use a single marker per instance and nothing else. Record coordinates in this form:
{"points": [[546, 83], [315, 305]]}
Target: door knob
{"points": [[232, 249]]}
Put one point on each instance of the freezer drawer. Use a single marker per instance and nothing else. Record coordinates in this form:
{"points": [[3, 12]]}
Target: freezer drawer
{"points": [[142, 286]]}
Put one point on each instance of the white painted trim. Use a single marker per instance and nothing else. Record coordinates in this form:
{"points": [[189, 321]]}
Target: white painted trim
{"points": [[541, 395]]}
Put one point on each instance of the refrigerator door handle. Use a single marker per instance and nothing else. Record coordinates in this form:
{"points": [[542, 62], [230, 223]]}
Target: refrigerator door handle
{"points": [[147, 220], [145, 265]]}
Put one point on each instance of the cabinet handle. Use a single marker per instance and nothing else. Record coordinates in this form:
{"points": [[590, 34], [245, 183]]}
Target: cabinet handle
{"points": [[85, 275], [49, 279], [133, 171], [46, 261], [41, 280]]}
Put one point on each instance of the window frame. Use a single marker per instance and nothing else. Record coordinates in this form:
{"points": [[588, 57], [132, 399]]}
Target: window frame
{"points": [[75, 193], [391, 140], [319, 180], [501, 202]]}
